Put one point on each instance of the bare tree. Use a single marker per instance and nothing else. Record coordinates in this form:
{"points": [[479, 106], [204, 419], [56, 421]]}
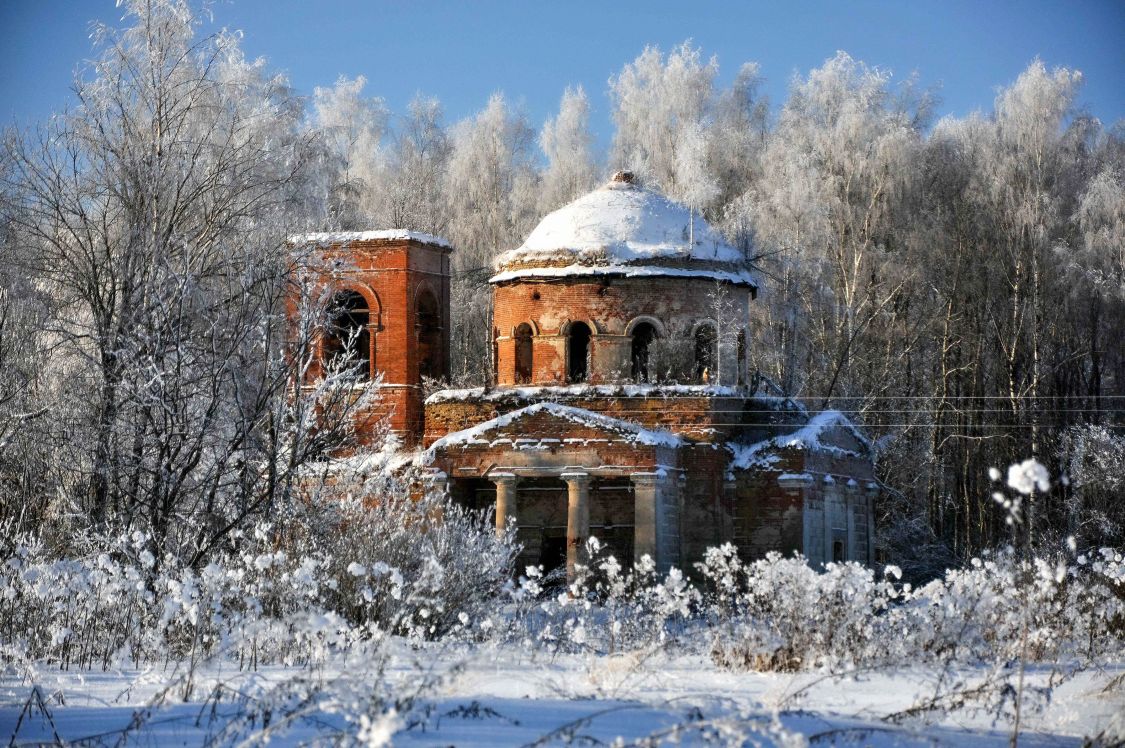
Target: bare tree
{"points": [[155, 216]]}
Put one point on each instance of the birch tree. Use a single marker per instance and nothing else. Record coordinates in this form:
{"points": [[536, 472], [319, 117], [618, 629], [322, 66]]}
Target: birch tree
{"points": [[660, 106], [569, 147], [352, 129]]}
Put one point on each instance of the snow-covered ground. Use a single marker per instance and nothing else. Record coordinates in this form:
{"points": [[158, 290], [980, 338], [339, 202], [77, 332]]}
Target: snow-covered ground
{"points": [[501, 696]]}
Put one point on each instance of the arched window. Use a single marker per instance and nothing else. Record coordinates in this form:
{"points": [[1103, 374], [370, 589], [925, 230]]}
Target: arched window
{"points": [[643, 335], [347, 341], [741, 346], [524, 355], [495, 356], [578, 352], [427, 322], [705, 352]]}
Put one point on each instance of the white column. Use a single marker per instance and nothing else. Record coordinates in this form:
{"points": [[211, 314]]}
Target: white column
{"points": [[872, 495], [645, 516], [506, 507], [830, 497], [853, 498], [577, 521]]}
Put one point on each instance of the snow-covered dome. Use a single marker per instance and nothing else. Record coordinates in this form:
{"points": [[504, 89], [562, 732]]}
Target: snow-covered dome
{"points": [[621, 223]]}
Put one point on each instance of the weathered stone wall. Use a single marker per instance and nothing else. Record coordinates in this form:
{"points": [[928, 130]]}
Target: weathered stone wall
{"points": [[834, 507], [701, 417]]}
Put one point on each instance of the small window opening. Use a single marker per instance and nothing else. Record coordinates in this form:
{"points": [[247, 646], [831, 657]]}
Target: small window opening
{"points": [[428, 325], [741, 345], [578, 352], [643, 335], [837, 551], [347, 342], [495, 355], [705, 353], [524, 353]]}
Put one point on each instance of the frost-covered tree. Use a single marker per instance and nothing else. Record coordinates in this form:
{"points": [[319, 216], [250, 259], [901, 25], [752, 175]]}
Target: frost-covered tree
{"points": [[569, 147], [662, 110], [410, 192], [491, 187], [491, 183], [835, 183], [351, 128], [737, 136], [154, 217]]}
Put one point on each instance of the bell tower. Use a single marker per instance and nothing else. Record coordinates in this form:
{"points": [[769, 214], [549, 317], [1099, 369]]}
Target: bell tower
{"points": [[389, 292]]}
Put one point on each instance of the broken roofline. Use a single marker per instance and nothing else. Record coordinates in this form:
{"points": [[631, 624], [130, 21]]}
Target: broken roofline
{"points": [[738, 278], [578, 391], [806, 437], [647, 437]]}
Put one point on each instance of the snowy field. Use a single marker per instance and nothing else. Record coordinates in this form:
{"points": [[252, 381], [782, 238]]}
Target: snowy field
{"points": [[501, 696], [440, 647]]}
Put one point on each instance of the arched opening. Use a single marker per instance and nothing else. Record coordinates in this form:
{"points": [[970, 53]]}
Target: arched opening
{"points": [[495, 356], [643, 335], [427, 322], [578, 352], [741, 346], [524, 356], [706, 353], [347, 341]]}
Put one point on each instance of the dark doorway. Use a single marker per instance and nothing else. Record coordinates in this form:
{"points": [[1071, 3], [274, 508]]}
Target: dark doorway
{"points": [[428, 323], [643, 335], [705, 353], [552, 554], [524, 354], [578, 352], [347, 342]]}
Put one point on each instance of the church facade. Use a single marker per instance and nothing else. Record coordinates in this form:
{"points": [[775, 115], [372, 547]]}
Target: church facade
{"points": [[622, 404]]}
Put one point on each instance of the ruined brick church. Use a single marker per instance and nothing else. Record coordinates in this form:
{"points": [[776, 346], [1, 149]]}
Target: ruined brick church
{"points": [[622, 404]]}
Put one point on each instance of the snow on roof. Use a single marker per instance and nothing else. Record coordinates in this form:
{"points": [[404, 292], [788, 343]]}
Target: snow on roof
{"points": [[807, 437], [622, 222], [343, 237], [497, 394], [580, 416], [741, 277]]}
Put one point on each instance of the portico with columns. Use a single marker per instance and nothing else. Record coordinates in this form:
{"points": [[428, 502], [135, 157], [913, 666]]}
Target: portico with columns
{"points": [[606, 477]]}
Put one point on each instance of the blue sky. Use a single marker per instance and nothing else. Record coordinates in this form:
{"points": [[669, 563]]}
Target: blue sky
{"points": [[461, 52]]}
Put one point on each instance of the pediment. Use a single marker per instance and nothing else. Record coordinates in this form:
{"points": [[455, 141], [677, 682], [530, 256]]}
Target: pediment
{"points": [[545, 424]]}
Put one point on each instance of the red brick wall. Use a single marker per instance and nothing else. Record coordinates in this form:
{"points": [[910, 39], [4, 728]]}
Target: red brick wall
{"points": [[390, 274], [608, 306], [695, 417]]}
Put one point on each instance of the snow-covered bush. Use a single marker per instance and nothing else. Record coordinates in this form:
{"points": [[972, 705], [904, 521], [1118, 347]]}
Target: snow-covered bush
{"points": [[781, 614], [1003, 608], [423, 568], [606, 609]]}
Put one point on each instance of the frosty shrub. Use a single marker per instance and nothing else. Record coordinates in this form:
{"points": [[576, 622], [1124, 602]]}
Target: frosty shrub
{"points": [[420, 568], [780, 614], [119, 606], [606, 609], [1071, 611]]}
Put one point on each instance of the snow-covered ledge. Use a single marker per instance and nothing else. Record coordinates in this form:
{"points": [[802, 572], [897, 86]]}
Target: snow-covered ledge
{"points": [[794, 481]]}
